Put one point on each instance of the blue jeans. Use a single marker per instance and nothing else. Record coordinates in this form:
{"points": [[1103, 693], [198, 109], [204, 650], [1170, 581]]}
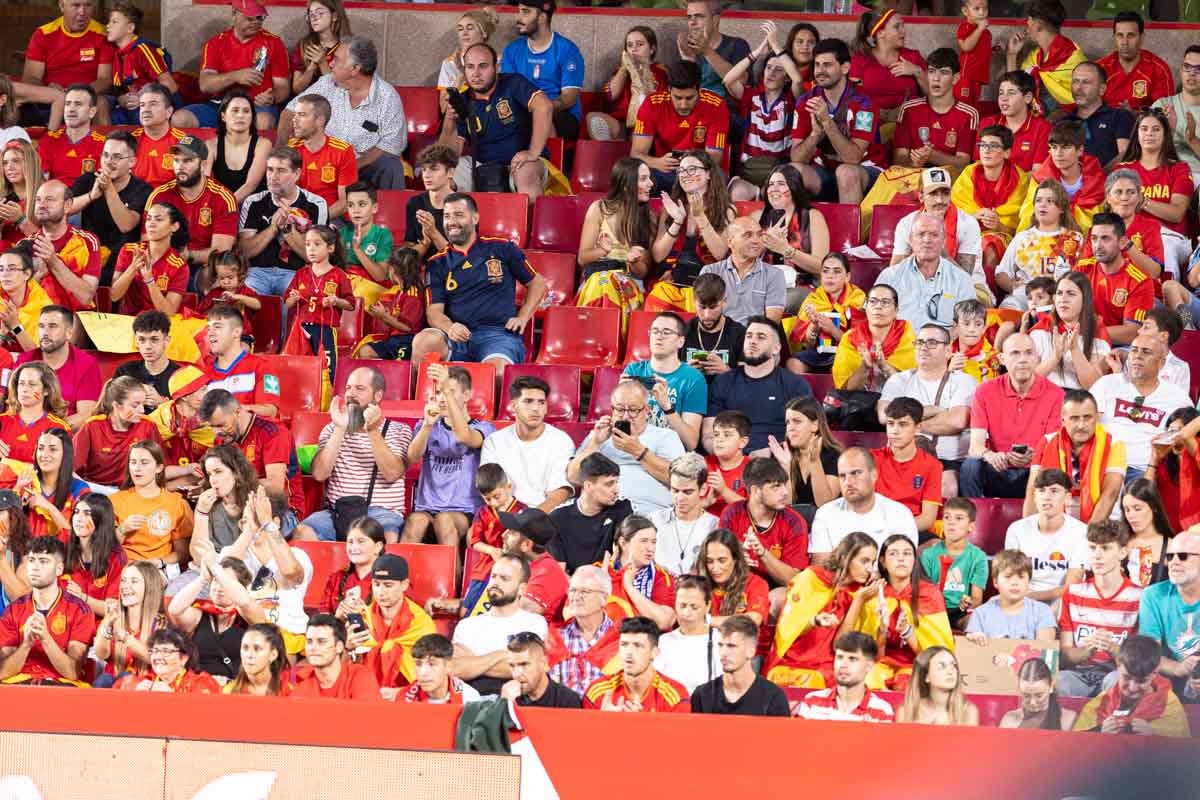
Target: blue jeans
{"points": [[322, 522], [489, 342], [270, 280], [978, 479]]}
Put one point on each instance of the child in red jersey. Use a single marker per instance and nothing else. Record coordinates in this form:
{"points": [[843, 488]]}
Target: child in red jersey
{"points": [[731, 434], [975, 44], [227, 272], [320, 292], [486, 536], [400, 311]]}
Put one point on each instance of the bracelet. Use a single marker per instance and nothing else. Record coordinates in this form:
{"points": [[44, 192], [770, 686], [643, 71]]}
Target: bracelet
{"points": [[642, 454], [667, 411]]}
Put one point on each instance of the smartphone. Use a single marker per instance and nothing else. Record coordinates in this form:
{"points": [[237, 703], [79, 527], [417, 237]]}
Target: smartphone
{"points": [[646, 381], [624, 426], [678, 154], [1020, 449], [355, 620], [700, 355]]}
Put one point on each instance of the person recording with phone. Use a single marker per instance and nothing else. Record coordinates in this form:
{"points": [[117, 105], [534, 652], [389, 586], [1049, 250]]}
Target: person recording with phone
{"points": [[1141, 702]]}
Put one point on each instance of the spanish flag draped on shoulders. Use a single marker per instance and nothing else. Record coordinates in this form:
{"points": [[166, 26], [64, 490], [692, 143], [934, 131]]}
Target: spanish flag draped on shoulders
{"points": [[899, 349], [1052, 69], [931, 628], [1086, 203], [802, 654], [1101, 455], [1159, 708], [973, 192], [391, 645], [983, 361], [662, 695], [841, 310]]}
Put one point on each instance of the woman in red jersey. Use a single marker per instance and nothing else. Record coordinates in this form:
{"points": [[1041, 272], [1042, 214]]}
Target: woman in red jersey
{"points": [[35, 404], [882, 67], [736, 589], [95, 558], [151, 275]]}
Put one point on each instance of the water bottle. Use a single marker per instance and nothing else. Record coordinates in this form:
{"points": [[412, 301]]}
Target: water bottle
{"points": [[260, 59]]}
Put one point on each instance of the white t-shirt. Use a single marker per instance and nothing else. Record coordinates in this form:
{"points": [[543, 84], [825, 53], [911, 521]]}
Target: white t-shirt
{"points": [[485, 633], [1175, 371], [1052, 555], [959, 391], [968, 236], [1064, 377], [1031, 254], [682, 658], [835, 520], [535, 468], [1116, 396], [679, 542], [285, 607]]}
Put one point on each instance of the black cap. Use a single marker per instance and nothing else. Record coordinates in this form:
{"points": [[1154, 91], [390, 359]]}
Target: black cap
{"points": [[549, 6], [390, 567], [9, 500], [193, 145], [532, 523]]}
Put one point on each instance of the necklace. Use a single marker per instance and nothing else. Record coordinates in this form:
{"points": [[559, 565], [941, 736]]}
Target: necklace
{"points": [[681, 541], [720, 335]]}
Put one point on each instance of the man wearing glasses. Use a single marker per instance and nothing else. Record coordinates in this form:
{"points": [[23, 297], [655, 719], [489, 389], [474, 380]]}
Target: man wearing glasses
{"points": [[111, 198], [590, 638], [678, 392], [1183, 110], [1168, 614]]}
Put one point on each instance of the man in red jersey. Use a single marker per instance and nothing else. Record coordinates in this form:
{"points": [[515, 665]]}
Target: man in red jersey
{"points": [[137, 62], [1031, 132], [234, 368], [434, 681], [66, 259], [937, 130], [210, 209], [329, 163], [74, 148], [45, 635], [1123, 293], [71, 49], [1136, 77], [638, 686], [527, 533], [156, 137], [326, 672], [775, 537], [683, 117]]}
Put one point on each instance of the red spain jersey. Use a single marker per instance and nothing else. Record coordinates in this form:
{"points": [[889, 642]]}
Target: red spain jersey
{"points": [[407, 306], [1160, 183], [911, 482], [354, 682], [1085, 610], [486, 529], [856, 117], [328, 168], [226, 53], [786, 539], [136, 64], [64, 160], [170, 275], [1031, 142], [756, 599], [663, 695], [339, 585], [732, 478], [1146, 234], [101, 451], [269, 442], [949, 133], [21, 438], [1150, 79], [213, 212], [247, 378], [80, 251], [312, 288], [1121, 297], [706, 127], [104, 588], [69, 57], [154, 163], [975, 65], [68, 619]]}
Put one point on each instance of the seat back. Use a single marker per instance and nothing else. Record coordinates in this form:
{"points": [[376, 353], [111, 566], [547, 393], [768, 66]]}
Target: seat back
{"points": [[299, 382], [430, 566], [884, 220], [307, 426], [563, 403], [559, 271], [267, 323], [993, 515], [594, 162], [503, 214], [481, 404], [421, 108], [603, 383], [747, 207], [391, 210], [1188, 349], [586, 337], [821, 385], [397, 376], [844, 222], [110, 361], [868, 439], [637, 340], [352, 327], [558, 221]]}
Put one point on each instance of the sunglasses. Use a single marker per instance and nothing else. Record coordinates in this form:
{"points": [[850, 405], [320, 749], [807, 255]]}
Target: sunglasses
{"points": [[525, 637], [1180, 556]]}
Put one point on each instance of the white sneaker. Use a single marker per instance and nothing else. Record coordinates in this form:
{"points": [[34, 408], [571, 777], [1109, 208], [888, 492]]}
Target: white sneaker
{"points": [[598, 129]]}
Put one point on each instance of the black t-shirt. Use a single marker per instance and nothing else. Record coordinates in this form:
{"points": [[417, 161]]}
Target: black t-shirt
{"points": [[1104, 127], [97, 220], [161, 382], [762, 699], [412, 229], [803, 491], [727, 344], [584, 540], [257, 211], [555, 696]]}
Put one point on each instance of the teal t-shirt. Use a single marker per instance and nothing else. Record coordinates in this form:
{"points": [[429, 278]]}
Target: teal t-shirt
{"points": [[1165, 618], [686, 387], [969, 569], [376, 243]]}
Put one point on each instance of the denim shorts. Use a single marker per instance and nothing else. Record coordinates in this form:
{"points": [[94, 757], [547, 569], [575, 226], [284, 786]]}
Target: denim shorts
{"points": [[322, 522], [488, 343]]}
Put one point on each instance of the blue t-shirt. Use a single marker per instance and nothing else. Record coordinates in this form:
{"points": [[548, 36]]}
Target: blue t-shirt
{"points": [[990, 620], [478, 288], [731, 48], [448, 471], [501, 125], [1164, 618], [558, 67], [760, 399], [685, 386]]}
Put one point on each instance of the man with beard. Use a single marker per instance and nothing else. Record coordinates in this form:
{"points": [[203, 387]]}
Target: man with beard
{"points": [[586, 528], [66, 259], [1123, 293], [759, 387], [326, 673], [527, 534], [481, 641], [156, 136], [361, 454], [111, 199], [232, 367], [531, 684], [329, 165], [77, 371], [210, 209], [740, 689], [854, 655], [551, 61], [472, 309], [638, 687], [74, 148]]}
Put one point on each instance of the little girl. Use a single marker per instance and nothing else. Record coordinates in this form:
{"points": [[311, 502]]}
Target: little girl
{"points": [[400, 310], [227, 270], [320, 292]]}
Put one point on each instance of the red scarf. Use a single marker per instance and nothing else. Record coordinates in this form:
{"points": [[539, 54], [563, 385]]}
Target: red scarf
{"points": [[860, 335], [1090, 194], [1152, 705], [600, 655], [1046, 324], [951, 244], [1093, 464], [993, 194]]}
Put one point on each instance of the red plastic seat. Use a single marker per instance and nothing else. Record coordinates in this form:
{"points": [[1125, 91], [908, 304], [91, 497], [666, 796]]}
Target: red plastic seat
{"points": [[637, 340], [431, 568], [594, 162], [421, 109], [585, 337], [1188, 348], [504, 214], [299, 382], [578, 431], [103, 299], [884, 220], [821, 385], [396, 374], [845, 225], [559, 271], [747, 207], [481, 404], [307, 426], [992, 517], [351, 329], [558, 221], [603, 383], [391, 210], [266, 324], [563, 403]]}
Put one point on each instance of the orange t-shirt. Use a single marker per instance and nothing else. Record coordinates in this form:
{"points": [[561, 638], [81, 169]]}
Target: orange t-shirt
{"points": [[168, 518]]}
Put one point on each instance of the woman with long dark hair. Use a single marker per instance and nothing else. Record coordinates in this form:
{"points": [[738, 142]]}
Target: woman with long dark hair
{"points": [[151, 275], [122, 640], [618, 230], [1166, 182], [809, 452], [825, 316], [736, 589], [795, 234], [312, 57], [51, 490], [1038, 706], [1072, 342], [1173, 469], [348, 590], [1142, 510], [935, 694], [237, 155], [95, 557], [263, 657], [229, 480], [882, 67], [696, 213]]}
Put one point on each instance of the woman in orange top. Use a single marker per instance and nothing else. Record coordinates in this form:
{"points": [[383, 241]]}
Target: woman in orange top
{"points": [[171, 655], [155, 524], [122, 640], [263, 659], [736, 590], [94, 556]]}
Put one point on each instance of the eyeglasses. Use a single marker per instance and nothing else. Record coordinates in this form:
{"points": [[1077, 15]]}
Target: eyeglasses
{"points": [[1193, 69], [165, 652], [114, 156], [7, 270], [664, 332], [1182, 556], [575, 590], [880, 302], [990, 146], [626, 411], [691, 170], [932, 342]]}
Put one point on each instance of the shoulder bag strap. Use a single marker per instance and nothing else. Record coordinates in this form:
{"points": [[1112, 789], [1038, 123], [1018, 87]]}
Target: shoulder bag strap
{"points": [[375, 469], [937, 401]]}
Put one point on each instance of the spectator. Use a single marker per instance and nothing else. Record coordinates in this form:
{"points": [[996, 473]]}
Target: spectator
{"points": [[1094, 457], [1172, 467], [588, 527], [1166, 184], [802, 654], [103, 441], [728, 460], [242, 56], [174, 664], [74, 149], [1038, 704], [317, 297], [1012, 613], [687, 654], [233, 368], [637, 77], [752, 286], [886, 71], [682, 527], [795, 235], [1141, 701], [929, 284], [94, 558], [1184, 104], [424, 227], [1149, 529], [348, 590], [1009, 413], [1052, 61], [908, 474], [1047, 248], [1164, 615], [152, 334], [161, 273], [809, 453], [642, 452], [34, 405], [952, 126], [1137, 78], [1072, 342], [971, 351], [111, 199], [154, 524], [211, 210], [10, 131], [184, 440], [589, 639], [272, 224], [329, 163], [225, 491], [878, 346], [71, 49], [1030, 130], [774, 536], [269, 448], [528, 533], [723, 354], [637, 687], [759, 387], [696, 213], [13, 581], [1097, 614], [549, 60], [390, 626], [434, 682], [706, 46], [619, 229], [217, 626], [137, 61], [312, 57], [935, 694], [678, 393], [474, 27], [1168, 325], [368, 246], [155, 137], [1124, 197], [735, 587], [850, 700], [740, 689], [530, 684], [801, 40], [1056, 543], [399, 309], [263, 659], [764, 115], [534, 455], [838, 151], [237, 142], [1108, 129], [640, 586], [1071, 167], [60, 490], [859, 508], [66, 259], [963, 565], [326, 672], [680, 117], [20, 180]]}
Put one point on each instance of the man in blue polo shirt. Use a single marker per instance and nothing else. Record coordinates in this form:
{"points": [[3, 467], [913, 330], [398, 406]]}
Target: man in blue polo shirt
{"points": [[472, 312], [550, 60], [1108, 129], [506, 119]]}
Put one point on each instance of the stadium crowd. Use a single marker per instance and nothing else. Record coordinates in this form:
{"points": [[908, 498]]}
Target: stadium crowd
{"points": [[787, 492]]}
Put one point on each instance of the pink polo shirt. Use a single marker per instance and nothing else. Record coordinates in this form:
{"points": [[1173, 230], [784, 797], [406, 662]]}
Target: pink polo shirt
{"points": [[78, 377], [1011, 419]]}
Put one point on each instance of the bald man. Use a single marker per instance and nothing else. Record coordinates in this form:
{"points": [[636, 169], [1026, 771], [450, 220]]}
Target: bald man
{"points": [[1167, 614], [66, 259], [752, 286]]}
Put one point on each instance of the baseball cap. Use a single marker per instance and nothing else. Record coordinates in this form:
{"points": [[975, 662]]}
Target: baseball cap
{"points": [[192, 146], [390, 567], [549, 6], [251, 8], [935, 178], [9, 500], [185, 380], [532, 523]]}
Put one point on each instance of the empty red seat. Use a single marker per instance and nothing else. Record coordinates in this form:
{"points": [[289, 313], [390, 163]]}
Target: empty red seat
{"points": [[558, 221], [422, 111], [391, 210], [637, 340], [351, 329], [503, 214], [267, 323], [307, 426], [481, 404], [844, 222], [993, 515], [299, 382], [603, 383], [397, 375], [110, 361], [578, 431], [867, 439], [884, 220], [1188, 349], [594, 162], [559, 271], [584, 337], [562, 404]]}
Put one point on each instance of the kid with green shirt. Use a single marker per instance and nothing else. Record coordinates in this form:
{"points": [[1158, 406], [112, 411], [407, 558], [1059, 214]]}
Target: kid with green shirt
{"points": [[958, 567], [368, 246]]}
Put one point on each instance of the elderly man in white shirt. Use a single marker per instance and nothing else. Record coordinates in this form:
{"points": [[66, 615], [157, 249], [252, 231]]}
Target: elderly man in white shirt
{"points": [[928, 283]]}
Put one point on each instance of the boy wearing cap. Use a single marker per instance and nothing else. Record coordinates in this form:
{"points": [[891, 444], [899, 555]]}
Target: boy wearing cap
{"points": [[210, 208], [156, 136], [391, 625], [550, 60], [528, 533], [152, 333]]}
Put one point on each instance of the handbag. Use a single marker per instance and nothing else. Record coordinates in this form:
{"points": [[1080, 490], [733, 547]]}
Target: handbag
{"points": [[853, 409], [345, 510]]}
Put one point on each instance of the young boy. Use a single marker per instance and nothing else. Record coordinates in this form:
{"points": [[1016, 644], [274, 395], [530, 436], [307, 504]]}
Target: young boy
{"points": [[957, 566], [1012, 614], [487, 534], [825, 318], [1097, 615], [1080, 174], [1056, 542], [1055, 57], [432, 655], [1031, 132], [975, 44], [908, 474], [712, 342], [971, 351], [683, 527], [991, 190], [368, 245], [731, 434], [152, 334], [138, 61], [937, 131], [1141, 701], [423, 214]]}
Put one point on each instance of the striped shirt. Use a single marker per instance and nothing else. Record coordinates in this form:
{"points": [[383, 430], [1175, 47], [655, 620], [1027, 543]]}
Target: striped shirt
{"points": [[823, 705], [768, 127], [1085, 611], [351, 473]]}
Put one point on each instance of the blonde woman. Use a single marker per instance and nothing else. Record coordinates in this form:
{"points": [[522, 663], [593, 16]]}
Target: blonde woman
{"points": [[935, 695], [20, 178], [474, 27], [128, 623]]}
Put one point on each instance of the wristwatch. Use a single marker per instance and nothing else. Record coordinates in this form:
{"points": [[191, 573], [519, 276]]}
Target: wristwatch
{"points": [[17, 330]]}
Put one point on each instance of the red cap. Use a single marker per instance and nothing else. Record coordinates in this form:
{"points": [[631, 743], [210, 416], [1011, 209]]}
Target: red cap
{"points": [[251, 8]]}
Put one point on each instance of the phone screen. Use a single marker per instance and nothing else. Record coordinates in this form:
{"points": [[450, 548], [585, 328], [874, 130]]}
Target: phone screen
{"points": [[624, 426]]}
